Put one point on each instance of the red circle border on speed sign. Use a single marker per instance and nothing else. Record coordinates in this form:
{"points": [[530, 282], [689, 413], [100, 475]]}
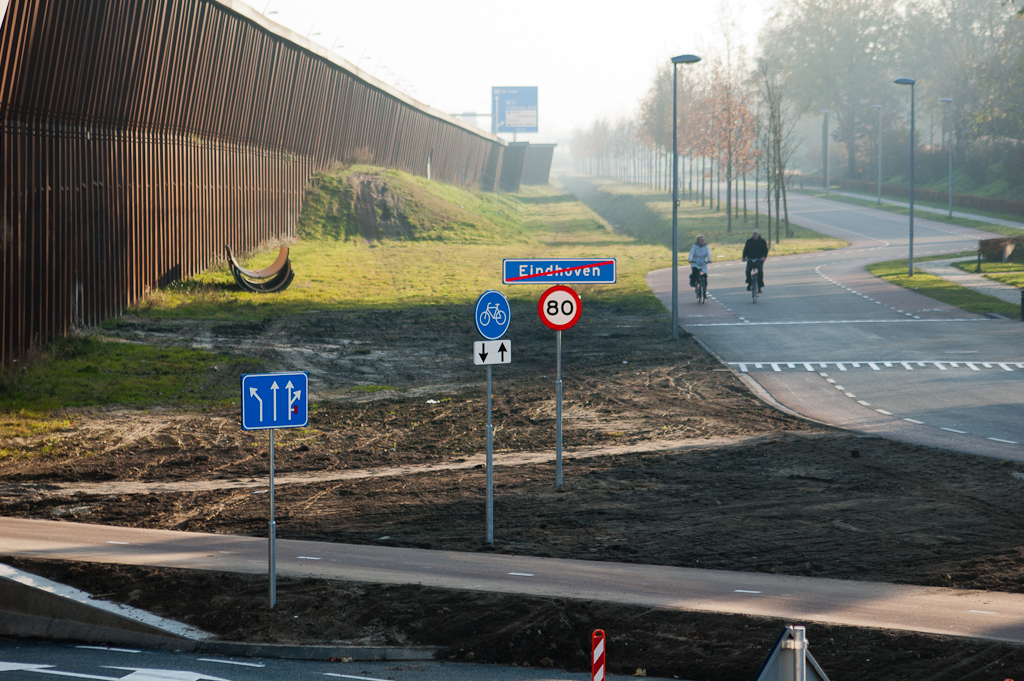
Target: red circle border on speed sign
{"points": [[560, 319]]}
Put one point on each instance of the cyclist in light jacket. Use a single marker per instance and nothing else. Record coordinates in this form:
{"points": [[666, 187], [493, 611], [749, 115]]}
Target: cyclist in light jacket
{"points": [[700, 256]]}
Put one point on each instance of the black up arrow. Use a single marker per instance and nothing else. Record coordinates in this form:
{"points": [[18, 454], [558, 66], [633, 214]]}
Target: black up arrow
{"points": [[501, 351], [483, 355]]}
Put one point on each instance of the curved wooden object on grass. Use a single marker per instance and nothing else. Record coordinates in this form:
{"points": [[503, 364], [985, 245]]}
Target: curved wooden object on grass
{"points": [[277, 277]]}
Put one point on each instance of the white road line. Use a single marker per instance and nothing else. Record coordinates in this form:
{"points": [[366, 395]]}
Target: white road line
{"points": [[954, 430], [349, 676], [744, 591], [1009, 442], [240, 664], [920, 423], [866, 404], [915, 319], [849, 394], [982, 612], [882, 411], [521, 574], [120, 543], [116, 650], [307, 558]]}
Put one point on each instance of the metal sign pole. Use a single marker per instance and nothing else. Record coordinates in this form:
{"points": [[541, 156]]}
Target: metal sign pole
{"points": [[490, 464], [272, 530], [558, 411]]}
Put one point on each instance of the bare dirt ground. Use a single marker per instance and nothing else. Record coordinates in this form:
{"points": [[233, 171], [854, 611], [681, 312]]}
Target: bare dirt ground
{"points": [[752, 489]]}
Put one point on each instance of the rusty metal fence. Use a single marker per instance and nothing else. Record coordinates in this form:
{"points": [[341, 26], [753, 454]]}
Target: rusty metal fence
{"points": [[139, 137]]}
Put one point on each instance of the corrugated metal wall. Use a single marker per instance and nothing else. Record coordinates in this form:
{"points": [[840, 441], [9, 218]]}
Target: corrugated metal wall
{"points": [[137, 137]]}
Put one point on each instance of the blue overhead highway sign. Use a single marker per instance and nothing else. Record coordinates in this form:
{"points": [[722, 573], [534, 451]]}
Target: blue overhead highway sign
{"points": [[275, 400]]}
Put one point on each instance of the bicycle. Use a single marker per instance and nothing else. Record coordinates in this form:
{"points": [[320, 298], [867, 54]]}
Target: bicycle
{"points": [[702, 287], [755, 281], [492, 312], [700, 284]]}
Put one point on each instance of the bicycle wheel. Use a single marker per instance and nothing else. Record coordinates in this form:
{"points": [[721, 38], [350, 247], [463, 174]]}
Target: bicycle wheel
{"points": [[485, 318], [755, 280], [702, 288]]}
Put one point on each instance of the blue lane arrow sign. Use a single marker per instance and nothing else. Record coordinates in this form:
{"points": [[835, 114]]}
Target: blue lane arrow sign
{"points": [[275, 401]]}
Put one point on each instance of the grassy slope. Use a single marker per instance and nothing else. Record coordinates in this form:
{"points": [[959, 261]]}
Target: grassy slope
{"points": [[459, 240]]}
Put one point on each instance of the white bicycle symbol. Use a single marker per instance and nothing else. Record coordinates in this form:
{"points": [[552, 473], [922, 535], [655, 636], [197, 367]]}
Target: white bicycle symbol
{"points": [[495, 313]]}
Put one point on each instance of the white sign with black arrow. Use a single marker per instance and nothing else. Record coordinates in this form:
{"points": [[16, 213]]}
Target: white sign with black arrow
{"points": [[492, 352]]}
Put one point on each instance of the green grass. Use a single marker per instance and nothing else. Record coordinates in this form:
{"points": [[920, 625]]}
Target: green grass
{"points": [[1010, 273], [450, 253], [78, 372], [646, 215], [935, 217], [895, 272]]}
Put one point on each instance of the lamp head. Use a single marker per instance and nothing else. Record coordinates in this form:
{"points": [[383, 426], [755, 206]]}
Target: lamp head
{"points": [[946, 100], [904, 81], [686, 59]]}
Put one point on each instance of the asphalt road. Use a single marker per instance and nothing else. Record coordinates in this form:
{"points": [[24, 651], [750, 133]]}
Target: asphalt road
{"points": [[951, 612], [22, 660], [831, 342]]}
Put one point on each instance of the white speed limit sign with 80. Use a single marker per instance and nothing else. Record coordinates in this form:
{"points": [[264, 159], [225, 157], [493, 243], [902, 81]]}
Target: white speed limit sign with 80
{"points": [[559, 307]]}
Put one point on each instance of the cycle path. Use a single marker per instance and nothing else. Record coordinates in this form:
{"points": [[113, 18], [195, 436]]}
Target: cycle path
{"points": [[975, 614]]}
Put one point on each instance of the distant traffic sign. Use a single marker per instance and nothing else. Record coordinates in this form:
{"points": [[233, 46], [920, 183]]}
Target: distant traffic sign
{"points": [[559, 271], [492, 352], [514, 109], [492, 314], [275, 401], [559, 308]]}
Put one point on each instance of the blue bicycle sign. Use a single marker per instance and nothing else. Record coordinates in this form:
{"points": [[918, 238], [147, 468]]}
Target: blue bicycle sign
{"points": [[492, 314]]}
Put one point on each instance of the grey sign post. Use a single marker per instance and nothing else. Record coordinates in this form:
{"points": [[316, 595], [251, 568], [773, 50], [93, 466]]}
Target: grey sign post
{"points": [[492, 316], [559, 308], [271, 401]]}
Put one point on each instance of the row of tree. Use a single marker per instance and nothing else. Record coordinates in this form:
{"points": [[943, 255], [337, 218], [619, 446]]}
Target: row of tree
{"points": [[741, 117]]}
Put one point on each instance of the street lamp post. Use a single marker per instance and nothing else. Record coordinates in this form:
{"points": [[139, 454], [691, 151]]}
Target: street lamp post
{"points": [[910, 262], [824, 148], [879, 151], [947, 101], [681, 59]]}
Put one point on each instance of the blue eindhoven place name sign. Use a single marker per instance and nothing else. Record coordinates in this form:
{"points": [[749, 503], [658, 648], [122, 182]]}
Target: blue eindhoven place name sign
{"points": [[275, 400], [558, 271]]}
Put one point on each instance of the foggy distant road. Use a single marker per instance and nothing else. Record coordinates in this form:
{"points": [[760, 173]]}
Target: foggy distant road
{"points": [[838, 345]]}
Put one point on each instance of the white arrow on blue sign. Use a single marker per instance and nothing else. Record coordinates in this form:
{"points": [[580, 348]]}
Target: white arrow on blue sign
{"points": [[558, 271], [275, 400], [492, 314]]}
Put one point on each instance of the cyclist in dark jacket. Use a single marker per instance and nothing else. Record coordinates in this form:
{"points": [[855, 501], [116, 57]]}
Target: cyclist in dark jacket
{"points": [[754, 250]]}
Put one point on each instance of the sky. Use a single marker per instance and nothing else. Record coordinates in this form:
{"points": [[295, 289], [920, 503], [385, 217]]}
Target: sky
{"points": [[588, 59]]}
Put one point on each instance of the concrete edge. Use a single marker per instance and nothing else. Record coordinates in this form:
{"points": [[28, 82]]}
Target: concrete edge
{"points": [[758, 390], [35, 607], [39, 606]]}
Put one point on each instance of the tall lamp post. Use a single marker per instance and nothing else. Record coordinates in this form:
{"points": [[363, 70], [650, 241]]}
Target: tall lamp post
{"points": [[824, 148], [681, 59], [910, 82], [947, 101], [879, 151]]}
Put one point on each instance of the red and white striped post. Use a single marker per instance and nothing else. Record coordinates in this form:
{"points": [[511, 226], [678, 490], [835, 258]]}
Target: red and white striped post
{"points": [[597, 657]]}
